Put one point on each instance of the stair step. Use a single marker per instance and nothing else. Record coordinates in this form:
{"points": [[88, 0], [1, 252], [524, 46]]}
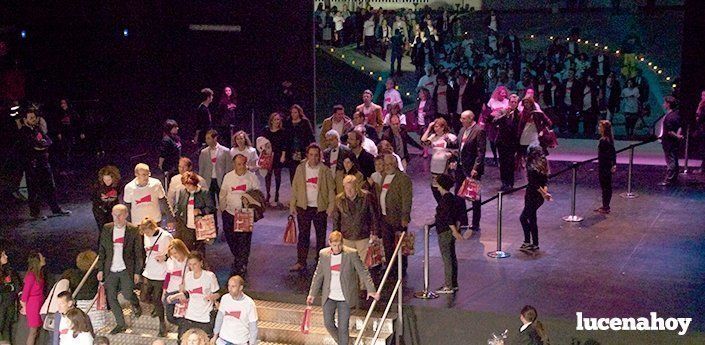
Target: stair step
{"points": [[136, 336], [291, 334], [293, 314]]}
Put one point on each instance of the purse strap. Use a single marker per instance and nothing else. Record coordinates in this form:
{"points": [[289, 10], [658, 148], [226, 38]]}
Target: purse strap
{"points": [[151, 249]]}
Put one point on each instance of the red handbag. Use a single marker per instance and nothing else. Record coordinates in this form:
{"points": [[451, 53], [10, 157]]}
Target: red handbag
{"points": [[205, 228], [375, 254], [101, 302], [244, 220], [306, 321], [266, 161], [470, 189], [290, 231]]}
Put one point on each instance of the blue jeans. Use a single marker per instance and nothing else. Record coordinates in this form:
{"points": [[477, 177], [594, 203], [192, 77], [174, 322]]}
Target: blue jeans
{"points": [[341, 333]]}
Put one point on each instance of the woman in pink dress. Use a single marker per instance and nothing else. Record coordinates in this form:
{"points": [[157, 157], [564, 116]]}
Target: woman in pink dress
{"points": [[33, 295]]}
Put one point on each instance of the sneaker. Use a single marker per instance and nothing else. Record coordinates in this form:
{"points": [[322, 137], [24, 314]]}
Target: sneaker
{"points": [[525, 246], [533, 247], [446, 290]]}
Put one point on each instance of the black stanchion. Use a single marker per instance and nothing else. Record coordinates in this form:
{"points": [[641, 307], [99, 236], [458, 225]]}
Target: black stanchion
{"points": [[499, 254], [572, 218], [629, 194]]}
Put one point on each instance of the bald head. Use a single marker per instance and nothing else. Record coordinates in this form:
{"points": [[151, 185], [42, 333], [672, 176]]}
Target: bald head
{"points": [[466, 118], [235, 286]]}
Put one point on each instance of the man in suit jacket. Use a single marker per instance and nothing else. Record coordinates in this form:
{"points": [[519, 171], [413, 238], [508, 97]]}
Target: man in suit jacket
{"points": [[507, 141], [394, 196], [365, 160], [338, 121], [336, 153], [338, 270], [214, 162], [311, 179], [120, 262], [473, 142]]}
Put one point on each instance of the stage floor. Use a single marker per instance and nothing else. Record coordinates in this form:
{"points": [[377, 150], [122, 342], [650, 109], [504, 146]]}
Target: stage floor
{"points": [[645, 256]]}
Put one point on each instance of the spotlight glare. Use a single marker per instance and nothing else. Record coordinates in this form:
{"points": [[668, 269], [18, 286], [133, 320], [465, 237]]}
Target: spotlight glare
{"points": [[650, 63], [125, 32], [668, 78], [342, 56], [408, 94], [596, 44], [379, 78], [372, 73], [674, 86], [617, 52], [23, 33]]}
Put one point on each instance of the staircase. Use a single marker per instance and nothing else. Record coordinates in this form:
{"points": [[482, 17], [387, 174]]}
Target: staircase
{"points": [[279, 324]]}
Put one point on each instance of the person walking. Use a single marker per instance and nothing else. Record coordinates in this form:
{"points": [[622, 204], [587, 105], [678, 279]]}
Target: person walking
{"points": [[536, 193]]}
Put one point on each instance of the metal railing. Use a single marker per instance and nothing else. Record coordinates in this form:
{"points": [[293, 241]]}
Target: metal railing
{"points": [[83, 281], [395, 293]]}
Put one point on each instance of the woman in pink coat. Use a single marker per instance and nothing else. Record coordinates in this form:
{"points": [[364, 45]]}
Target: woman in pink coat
{"points": [[33, 295]]}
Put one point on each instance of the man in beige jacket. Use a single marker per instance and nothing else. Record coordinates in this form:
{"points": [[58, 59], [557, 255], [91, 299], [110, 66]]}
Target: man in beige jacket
{"points": [[336, 275], [312, 201]]}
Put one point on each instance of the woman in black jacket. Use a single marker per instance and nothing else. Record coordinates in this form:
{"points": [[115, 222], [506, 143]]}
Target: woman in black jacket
{"points": [[532, 331], [10, 286], [186, 217], [536, 193], [300, 133], [607, 164], [278, 138], [106, 194]]}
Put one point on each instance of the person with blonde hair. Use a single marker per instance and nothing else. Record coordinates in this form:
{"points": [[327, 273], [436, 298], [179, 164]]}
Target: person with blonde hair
{"points": [[145, 197], [156, 246], [195, 336], [175, 271], [243, 146]]}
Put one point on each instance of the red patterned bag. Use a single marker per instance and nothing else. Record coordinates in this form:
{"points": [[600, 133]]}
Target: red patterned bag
{"points": [[266, 161], [306, 321], [407, 246], [205, 228], [375, 253], [470, 189], [101, 302], [244, 220], [180, 309], [290, 231]]}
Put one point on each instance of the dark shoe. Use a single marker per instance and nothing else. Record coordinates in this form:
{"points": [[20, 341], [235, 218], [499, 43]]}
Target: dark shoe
{"points": [[602, 210], [446, 290], [162, 330], [62, 212], [136, 311], [118, 329], [297, 267], [525, 246], [534, 248]]}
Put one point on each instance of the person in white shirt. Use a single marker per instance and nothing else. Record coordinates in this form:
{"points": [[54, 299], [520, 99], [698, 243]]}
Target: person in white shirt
{"points": [[175, 185], [391, 96], [339, 21], [156, 245], [79, 330], [243, 146], [200, 289], [213, 163], [428, 81], [64, 303], [236, 321], [440, 141], [175, 271], [233, 198], [368, 30], [145, 198]]}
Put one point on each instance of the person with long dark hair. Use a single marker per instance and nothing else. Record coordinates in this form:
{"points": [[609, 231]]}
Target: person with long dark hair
{"points": [[536, 193], [532, 331], [607, 164], [277, 137], [170, 148], [300, 134], [106, 194], [33, 295], [80, 328], [229, 121], [10, 285]]}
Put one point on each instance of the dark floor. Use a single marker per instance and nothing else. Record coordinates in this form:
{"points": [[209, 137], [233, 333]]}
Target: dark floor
{"points": [[645, 256]]}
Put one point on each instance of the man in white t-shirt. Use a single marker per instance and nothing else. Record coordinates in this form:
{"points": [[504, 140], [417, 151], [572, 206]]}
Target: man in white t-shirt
{"points": [[233, 198], [391, 96], [428, 81], [236, 322], [337, 274], [145, 198], [175, 185], [156, 247]]}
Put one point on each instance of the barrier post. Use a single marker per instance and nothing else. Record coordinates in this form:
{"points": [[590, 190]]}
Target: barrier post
{"points": [[687, 140], [629, 194], [499, 254], [572, 218], [425, 293]]}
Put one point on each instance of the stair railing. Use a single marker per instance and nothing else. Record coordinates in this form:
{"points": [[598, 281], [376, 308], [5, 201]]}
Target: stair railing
{"points": [[396, 257], [83, 281]]}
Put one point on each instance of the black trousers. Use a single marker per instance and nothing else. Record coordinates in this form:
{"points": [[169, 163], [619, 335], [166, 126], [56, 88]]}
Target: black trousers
{"points": [[120, 282], [476, 205], [151, 292], [239, 243], [606, 186], [446, 244], [188, 236], [388, 236], [304, 217], [277, 172], [670, 151], [396, 57], [532, 202], [40, 184], [187, 324], [169, 311], [507, 163]]}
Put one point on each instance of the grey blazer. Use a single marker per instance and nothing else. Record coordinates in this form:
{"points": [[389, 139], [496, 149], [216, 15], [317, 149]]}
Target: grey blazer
{"points": [[223, 164], [351, 268]]}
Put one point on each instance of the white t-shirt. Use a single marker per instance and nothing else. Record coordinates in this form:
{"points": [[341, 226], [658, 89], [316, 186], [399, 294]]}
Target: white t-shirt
{"points": [[383, 195], [336, 288], [338, 20], [235, 186], [311, 186], [190, 207], [459, 107], [83, 338], [369, 27], [118, 263], [421, 114], [402, 119], [568, 89], [369, 146], [144, 200], [530, 135], [199, 308], [214, 158], [155, 246], [497, 105], [440, 151], [237, 316], [64, 330], [250, 153], [392, 96], [376, 177], [427, 82], [176, 271]]}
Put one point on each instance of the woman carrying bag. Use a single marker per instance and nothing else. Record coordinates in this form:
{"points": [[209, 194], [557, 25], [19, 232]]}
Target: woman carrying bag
{"points": [[194, 203]]}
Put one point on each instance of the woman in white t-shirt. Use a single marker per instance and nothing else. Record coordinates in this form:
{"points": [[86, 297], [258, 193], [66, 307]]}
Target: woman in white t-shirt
{"points": [[156, 242], [201, 291], [175, 271], [499, 101], [243, 146], [440, 141], [80, 330]]}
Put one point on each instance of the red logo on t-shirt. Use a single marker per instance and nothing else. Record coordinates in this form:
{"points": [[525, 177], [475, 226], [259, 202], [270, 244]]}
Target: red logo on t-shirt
{"points": [[64, 331], [312, 180], [439, 145], [176, 273], [335, 268], [109, 194], [119, 240], [155, 247], [235, 314], [441, 93], [198, 290], [213, 160], [241, 188], [191, 202], [146, 198], [385, 186]]}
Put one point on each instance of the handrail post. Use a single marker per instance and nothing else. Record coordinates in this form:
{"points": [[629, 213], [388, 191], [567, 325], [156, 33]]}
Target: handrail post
{"points": [[499, 254], [629, 194], [687, 139], [572, 218], [425, 294], [400, 322]]}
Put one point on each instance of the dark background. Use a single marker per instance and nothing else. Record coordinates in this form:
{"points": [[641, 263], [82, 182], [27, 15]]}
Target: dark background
{"points": [[76, 49]]}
